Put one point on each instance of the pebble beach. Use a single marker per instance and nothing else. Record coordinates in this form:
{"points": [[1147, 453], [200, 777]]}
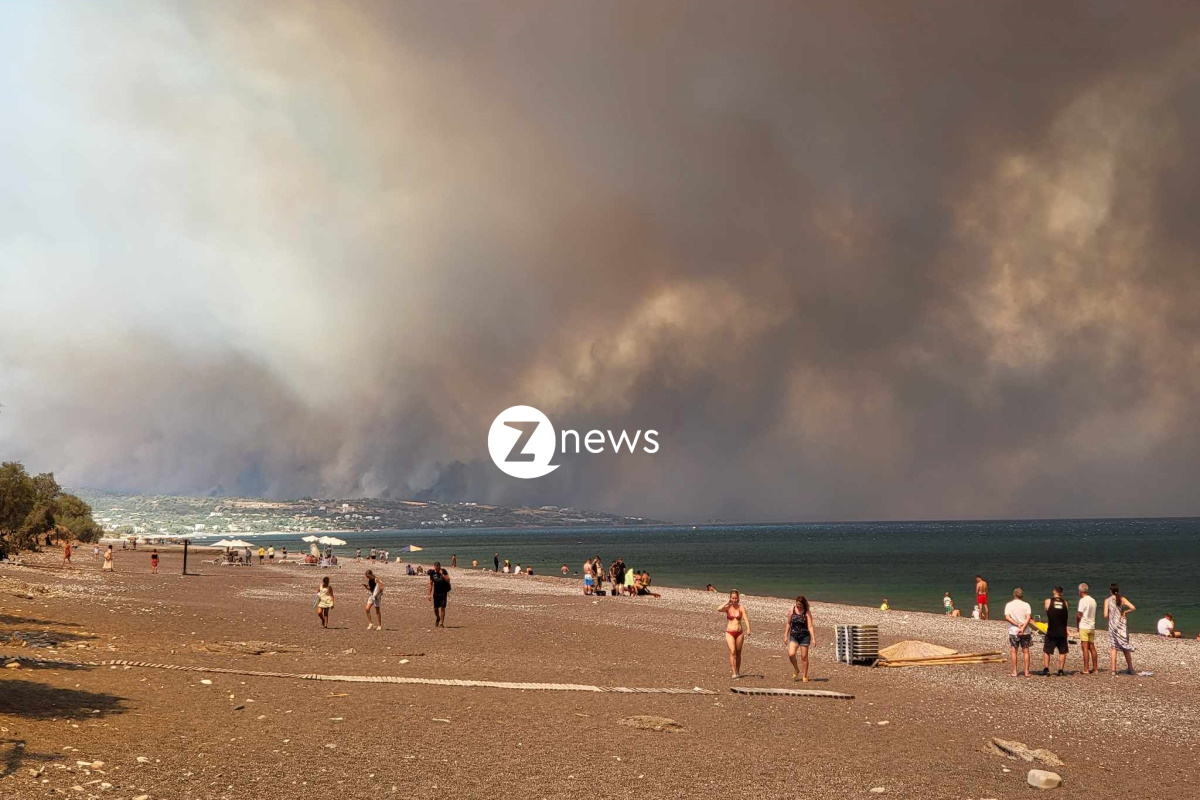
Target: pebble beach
{"points": [[141, 733]]}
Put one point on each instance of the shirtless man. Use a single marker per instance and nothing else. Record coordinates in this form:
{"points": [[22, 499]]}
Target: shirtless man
{"points": [[981, 596]]}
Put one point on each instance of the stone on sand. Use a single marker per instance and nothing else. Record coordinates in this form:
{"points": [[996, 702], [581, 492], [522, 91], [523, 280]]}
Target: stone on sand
{"points": [[1042, 779], [1012, 749], [647, 722]]}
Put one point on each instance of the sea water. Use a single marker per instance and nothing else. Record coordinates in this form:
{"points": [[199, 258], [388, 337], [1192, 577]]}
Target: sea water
{"points": [[1156, 561]]}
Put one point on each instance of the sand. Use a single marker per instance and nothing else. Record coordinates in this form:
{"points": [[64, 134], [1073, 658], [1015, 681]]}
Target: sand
{"points": [[916, 733]]}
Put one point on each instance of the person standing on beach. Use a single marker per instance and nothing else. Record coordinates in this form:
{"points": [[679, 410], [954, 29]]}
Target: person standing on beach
{"points": [[798, 637], [154, 561], [108, 560], [948, 603], [262, 554], [981, 596], [496, 561], [439, 587], [324, 601], [589, 580], [271, 554], [66, 553], [1085, 620], [374, 596], [1057, 611], [737, 628], [1116, 609], [453, 562], [1018, 613]]}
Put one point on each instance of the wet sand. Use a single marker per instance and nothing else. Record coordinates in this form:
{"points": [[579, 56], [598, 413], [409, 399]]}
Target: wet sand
{"points": [[253, 737]]}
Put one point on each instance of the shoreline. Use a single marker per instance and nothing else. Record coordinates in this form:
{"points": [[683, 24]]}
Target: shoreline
{"points": [[919, 732]]}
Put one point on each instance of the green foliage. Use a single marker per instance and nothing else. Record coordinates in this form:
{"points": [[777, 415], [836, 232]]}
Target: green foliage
{"points": [[76, 517], [33, 507]]}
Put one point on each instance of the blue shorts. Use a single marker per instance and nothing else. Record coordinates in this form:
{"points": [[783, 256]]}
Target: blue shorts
{"points": [[803, 640], [587, 580]]}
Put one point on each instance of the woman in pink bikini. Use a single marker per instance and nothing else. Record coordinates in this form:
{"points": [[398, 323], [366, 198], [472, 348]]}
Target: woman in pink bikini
{"points": [[737, 628]]}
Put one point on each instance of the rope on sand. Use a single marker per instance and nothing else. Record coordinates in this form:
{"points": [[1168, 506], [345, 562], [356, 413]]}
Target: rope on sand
{"points": [[793, 692], [549, 687]]}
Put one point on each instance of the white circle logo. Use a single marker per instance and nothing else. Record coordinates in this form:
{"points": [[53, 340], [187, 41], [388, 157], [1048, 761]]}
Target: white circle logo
{"points": [[522, 442]]}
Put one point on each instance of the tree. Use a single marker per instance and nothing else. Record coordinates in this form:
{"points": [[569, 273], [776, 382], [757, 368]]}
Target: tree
{"points": [[76, 517], [32, 507]]}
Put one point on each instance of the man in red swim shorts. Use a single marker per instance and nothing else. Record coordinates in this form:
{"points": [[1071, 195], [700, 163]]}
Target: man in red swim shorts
{"points": [[981, 596]]}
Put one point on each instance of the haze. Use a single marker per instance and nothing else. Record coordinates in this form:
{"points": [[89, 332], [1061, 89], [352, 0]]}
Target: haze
{"points": [[851, 260]]}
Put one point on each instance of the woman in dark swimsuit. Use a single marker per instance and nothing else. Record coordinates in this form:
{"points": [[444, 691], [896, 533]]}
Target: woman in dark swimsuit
{"points": [[737, 628], [798, 635]]}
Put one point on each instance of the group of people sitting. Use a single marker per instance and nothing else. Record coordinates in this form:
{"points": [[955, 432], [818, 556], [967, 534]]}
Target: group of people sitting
{"points": [[325, 559], [621, 579]]}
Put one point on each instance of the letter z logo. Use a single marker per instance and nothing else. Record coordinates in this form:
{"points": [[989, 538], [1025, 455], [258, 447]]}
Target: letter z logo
{"points": [[518, 453], [522, 442]]}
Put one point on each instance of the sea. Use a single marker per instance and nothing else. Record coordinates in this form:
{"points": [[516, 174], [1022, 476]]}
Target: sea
{"points": [[911, 564]]}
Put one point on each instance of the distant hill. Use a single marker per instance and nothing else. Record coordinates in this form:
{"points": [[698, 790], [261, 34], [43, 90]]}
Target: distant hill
{"points": [[132, 513]]}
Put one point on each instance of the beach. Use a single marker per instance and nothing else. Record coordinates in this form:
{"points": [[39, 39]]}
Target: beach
{"points": [[162, 733]]}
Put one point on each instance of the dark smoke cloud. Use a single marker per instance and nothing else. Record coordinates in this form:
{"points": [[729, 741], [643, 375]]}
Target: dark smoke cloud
{"points": [[852, 260]]}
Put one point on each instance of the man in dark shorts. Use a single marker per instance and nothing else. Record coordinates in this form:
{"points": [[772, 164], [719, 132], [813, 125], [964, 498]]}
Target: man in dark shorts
{"points": [[439, 587], [496, 561], [617, 573], [1057, 610], [1019, 616]]}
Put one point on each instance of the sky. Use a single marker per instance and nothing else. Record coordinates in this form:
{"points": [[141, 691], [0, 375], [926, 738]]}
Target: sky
{"points": [[851, 260]]}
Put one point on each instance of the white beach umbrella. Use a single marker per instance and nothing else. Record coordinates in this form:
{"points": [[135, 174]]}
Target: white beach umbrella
{"points": [[332, 540], [226, 543], [310, 538], [236, 543]]}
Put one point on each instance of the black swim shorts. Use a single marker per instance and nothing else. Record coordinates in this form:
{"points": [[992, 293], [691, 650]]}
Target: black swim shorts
{"points": [[1053, 643]]}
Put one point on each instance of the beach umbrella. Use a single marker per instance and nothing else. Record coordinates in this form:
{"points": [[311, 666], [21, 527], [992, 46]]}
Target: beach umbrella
{"points": [[226, 543], [412, 548], [310, 538], [332, 540]]}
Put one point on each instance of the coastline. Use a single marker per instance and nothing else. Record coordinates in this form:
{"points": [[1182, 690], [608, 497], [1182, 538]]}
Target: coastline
{"points": [[1112, 731]]}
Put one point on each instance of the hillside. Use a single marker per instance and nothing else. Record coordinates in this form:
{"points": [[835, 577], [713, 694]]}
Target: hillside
{"points": [[132, 513]]}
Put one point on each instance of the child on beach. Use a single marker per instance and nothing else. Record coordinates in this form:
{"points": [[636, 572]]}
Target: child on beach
{"points": [[324, 601], [154, 561]]}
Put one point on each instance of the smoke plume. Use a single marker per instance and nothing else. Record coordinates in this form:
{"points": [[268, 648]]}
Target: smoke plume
{"points": [[850, 259]]}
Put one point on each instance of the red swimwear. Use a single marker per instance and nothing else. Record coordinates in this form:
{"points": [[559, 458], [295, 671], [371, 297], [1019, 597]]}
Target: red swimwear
{"points": [[731, 617], [981, 599]]}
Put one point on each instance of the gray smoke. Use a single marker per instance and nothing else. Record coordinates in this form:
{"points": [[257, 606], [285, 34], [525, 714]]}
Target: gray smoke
{"points": [[851, 260]]}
